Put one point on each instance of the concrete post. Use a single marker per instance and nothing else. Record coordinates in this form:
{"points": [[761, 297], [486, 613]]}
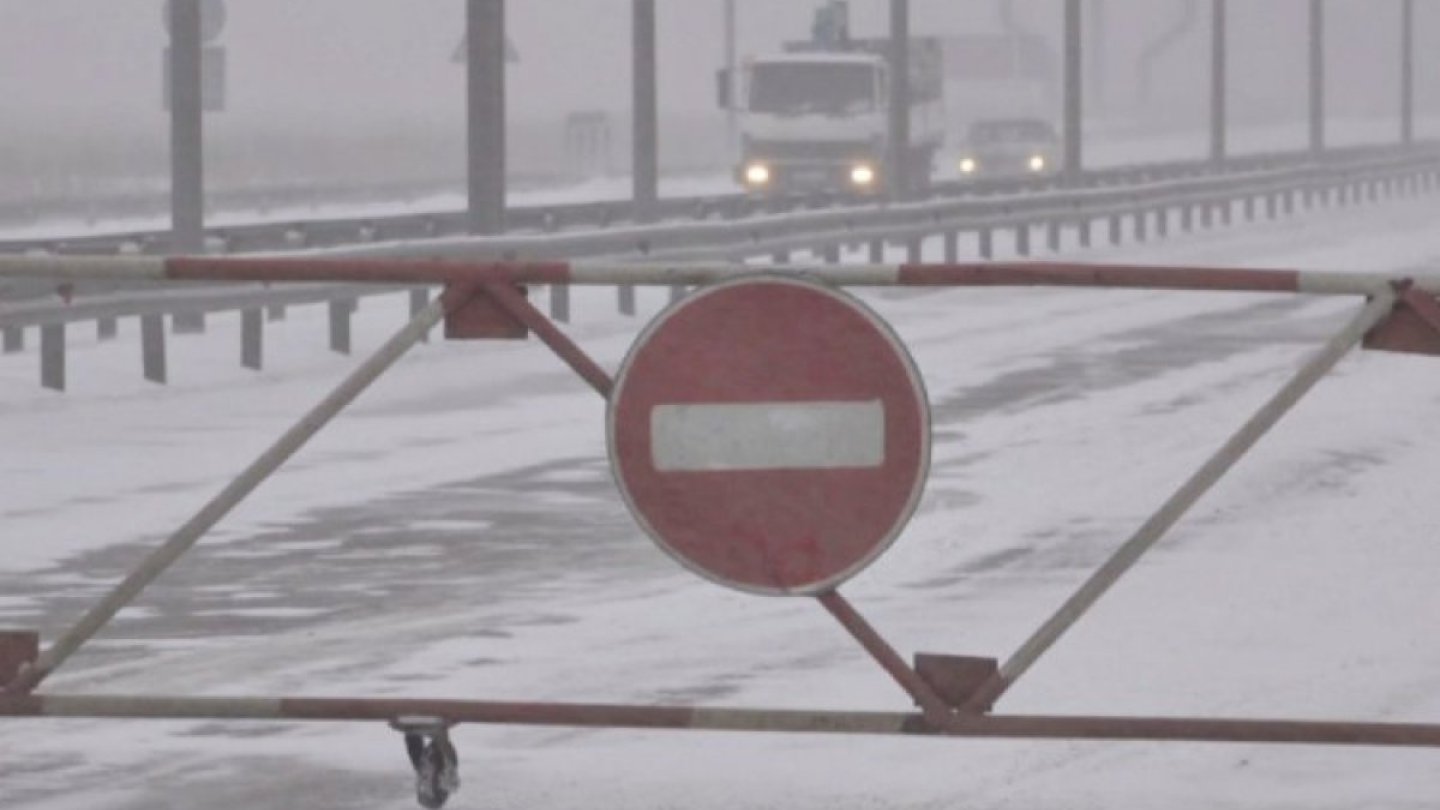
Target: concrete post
{"points": [[152, 348], [52, 356], [645, 172], [187, 162], [485, 114]]}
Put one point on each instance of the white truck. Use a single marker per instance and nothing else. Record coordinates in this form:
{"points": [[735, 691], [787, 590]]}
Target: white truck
{"points": [[816, 115]]}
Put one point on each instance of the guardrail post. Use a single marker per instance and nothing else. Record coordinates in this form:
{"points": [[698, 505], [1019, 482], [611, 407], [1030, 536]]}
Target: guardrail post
{"points": [[1116, 229], [188, 323], [252, 337], [987, 243], [52, 356], [1141, 226], [1162, 222], [106, 328], [914, 250], [560, 302], [1187, 217], [152, 347], [877, 251], [625, 298], [14, 339], [1052, 235], [677, 292], [1272, 205], [1249, 208], [340, 310], [1022, 239], [952, 247], [419, 300], [830, 254], [1206, 215], [275, 312], [780, 257], [1227, 213]]}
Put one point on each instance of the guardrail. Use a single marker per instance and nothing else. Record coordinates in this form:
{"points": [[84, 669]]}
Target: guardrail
{"points": [[1144, 206]]}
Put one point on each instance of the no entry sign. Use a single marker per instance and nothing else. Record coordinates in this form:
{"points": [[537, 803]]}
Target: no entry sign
{"points": [[771, 434]]}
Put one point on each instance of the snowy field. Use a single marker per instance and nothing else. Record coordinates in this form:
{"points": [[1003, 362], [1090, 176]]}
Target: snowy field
{"points": [[457, 534]]}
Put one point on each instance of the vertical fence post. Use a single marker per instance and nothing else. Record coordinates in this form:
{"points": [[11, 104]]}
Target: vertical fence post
{"points": [[560, 302], [52, 356], [987, 243], [877, 251], [14, 339], [340, 310], [625, 295], [152, 348], [952, 247], [252, 338], [106, 328], [419, 300], [1022, 239]]}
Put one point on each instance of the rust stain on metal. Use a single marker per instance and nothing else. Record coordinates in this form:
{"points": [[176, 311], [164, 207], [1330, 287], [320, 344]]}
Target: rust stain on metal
{"points": [[957, 678], [472, 314], [1413, 327], [17, 648]]}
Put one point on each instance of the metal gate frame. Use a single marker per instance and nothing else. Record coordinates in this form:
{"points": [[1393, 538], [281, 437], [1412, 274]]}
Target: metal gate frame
{"points": [[955, 694]]}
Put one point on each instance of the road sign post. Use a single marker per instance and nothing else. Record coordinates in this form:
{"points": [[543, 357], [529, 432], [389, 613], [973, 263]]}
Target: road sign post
{"points": [[771, 434]]}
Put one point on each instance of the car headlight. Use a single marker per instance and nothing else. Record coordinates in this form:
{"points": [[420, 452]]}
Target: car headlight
{"points": [[862, 175], [968, 165], [1037, 163], [757, 174]]}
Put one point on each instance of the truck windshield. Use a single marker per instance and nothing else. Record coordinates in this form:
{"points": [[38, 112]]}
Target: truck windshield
{"points": [[797, 88]]}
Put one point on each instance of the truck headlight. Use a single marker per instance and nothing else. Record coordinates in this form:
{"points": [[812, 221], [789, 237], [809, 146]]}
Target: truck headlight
{"points": [[757, 174], [968, 165], [862, 175], [1037, 163]]}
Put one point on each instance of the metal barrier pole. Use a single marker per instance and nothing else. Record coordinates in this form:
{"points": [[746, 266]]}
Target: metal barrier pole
{"points": [[186, 536], [1185, 497]]}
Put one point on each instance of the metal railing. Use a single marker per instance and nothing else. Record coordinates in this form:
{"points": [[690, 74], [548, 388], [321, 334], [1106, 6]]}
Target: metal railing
{"points": [[1139, 203]]}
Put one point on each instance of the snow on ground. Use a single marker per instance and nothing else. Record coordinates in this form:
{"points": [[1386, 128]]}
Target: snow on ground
{"points": [[457, 534]]}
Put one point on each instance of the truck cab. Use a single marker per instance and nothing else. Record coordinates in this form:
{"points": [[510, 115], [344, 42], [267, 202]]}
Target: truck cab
{"points": [[813, 121]]}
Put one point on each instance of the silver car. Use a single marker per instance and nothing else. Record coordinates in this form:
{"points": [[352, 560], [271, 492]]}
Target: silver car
{"points": [[1010, 147]]}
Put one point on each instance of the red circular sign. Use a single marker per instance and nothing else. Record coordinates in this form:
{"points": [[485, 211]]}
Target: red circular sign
{"points": [[771, 434]]}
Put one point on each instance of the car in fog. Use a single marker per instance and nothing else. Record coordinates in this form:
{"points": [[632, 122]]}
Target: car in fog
{"points": [[1012, 147]]}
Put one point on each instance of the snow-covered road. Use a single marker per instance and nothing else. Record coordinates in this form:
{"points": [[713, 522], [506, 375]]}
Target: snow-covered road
{"points": [[457, 534]]}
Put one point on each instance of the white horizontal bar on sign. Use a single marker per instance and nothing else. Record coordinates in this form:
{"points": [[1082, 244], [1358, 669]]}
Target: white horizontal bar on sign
{"points": [[767, 436]]}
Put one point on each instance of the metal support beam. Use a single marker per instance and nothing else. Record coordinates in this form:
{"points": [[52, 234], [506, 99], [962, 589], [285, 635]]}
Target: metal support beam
{"points": [[1186, 496], [645, 171], [52, 356], [1407, 71], [187, 139], [1074, 88], [1217, 81], [485, 114], [898, 156], [1317, 75]]}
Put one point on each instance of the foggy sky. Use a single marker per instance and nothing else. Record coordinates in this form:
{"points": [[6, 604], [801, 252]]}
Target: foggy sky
{"points": [[333, 64]]}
